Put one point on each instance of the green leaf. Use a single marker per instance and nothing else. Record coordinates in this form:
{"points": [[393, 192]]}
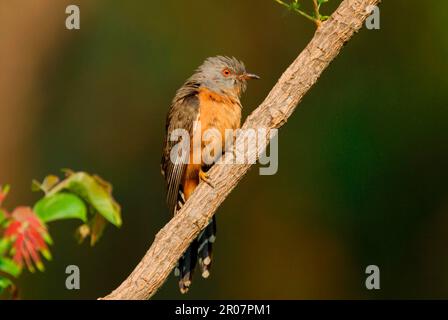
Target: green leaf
{"points": [[5, 283], [36, 186], [2, 216], [294, 6], [321, 1], [4, 245], [3, 193], [10, 267], [61, 206], [96, 192], [5, 190], [48, 183]]}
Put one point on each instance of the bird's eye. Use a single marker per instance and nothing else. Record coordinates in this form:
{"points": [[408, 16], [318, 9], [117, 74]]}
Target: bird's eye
{"points": [[226, 72]]}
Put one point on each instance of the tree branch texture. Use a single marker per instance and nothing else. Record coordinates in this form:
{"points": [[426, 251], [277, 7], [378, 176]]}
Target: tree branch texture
{"points": [[173, 239]]}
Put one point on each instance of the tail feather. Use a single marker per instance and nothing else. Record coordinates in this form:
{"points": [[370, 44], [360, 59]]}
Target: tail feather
{"points": [[200, 249], [187, 263], [186, 266], [205, 249]]}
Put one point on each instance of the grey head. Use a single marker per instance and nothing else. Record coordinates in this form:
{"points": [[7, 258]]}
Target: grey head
{"points": [[223, 75]]}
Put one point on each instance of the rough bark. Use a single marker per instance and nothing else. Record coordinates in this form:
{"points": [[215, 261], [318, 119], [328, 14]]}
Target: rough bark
{"points": [[301, 75]]}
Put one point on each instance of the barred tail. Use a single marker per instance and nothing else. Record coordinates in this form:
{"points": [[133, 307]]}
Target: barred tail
{"points": [[205, 241], [185, 267], [201, 249], [187, 263]]}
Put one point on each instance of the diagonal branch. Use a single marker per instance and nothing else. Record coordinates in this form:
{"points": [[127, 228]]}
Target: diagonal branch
{"points": [[173, 239]]}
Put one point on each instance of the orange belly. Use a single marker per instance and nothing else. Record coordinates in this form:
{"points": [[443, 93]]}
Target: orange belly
{"points": [[216, 112]]}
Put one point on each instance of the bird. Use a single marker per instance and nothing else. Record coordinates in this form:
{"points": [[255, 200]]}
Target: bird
{"points": [[210, 98]]}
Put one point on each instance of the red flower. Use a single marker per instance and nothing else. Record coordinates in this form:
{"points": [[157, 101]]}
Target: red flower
{"points": [[28, 236]]}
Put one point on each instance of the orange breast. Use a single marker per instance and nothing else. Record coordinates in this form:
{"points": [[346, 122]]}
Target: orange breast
{"points": [[218, 112], [215, 112]]}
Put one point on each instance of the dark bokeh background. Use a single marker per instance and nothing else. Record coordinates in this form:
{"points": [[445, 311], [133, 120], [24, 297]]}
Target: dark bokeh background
{"points": [[363, 162]]}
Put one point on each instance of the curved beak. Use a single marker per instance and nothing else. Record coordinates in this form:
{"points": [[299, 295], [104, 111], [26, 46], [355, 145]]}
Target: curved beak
{"points": [[249, 76]]}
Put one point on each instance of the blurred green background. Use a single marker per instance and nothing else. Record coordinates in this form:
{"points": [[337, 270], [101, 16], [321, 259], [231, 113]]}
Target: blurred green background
{"points": [[363, 161]]}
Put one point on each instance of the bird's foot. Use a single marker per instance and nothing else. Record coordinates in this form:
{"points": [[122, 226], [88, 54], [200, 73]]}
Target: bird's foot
{"points": [[205, 177]]}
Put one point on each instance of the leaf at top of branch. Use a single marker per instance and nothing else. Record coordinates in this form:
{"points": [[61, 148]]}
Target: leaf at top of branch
{"points": [[294, 6]]}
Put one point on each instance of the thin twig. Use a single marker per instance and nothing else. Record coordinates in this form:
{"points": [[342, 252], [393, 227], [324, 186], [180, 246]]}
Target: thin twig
{"points": [[316, 12], [302, 13]]}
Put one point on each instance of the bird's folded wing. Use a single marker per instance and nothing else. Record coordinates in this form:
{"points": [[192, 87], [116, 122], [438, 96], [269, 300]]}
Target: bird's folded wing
{"points": [[183, 114]]}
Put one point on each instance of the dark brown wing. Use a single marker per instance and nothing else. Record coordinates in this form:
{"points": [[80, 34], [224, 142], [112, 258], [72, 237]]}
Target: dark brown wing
{"points": [[183, 112]]}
